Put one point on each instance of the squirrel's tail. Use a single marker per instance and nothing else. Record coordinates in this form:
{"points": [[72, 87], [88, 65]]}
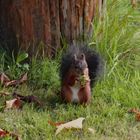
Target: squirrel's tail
{"points": [[94, 61]]}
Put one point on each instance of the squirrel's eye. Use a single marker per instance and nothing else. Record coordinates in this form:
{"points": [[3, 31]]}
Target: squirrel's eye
{"points": [[76, 66]]}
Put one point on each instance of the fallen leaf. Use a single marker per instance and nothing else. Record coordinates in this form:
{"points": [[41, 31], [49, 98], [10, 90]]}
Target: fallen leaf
{"points": [[4, 133], [72, 124], [133, 110], [4, 93], [137, 117], [28, 99], [14, 103], [134, 3], [91, 130], [11, 83], [21, 80], [136, 112], [4, 78], [55, 124]]}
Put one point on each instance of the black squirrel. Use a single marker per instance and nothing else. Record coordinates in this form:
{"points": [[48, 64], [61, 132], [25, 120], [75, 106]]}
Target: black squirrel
{"points": [[80, 68]]}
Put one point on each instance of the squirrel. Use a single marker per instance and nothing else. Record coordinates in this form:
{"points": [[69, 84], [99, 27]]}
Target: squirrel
{"points": [[80, 68]]}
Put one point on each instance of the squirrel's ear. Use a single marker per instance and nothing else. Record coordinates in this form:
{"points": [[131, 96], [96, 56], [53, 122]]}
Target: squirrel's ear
{"points": [[82, 57]]}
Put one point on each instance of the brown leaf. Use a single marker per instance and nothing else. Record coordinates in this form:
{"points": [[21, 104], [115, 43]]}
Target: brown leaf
{"points": [[91, 130], [11, 83], [4, 93], [4, 78], [28, 99], [55, 123], [136, 112], [134, 3], [133, 110], [21, 80], [4, 133], [137, 116], [14, 103], [72, 124]]}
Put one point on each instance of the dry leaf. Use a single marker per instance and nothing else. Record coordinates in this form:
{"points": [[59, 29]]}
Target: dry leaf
{"points": [[91, 130], [72, 124], [5, 81], [21, 80], [131, 110], [55, 124], [11, 83], [137, 117], [14, 103], [4, 78], [134, 3], [4, 133], [136, 112], [28, 99], [4, 93]]}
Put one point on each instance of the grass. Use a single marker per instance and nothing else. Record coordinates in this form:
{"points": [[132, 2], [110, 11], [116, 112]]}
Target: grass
{"points": [[117, 37]]}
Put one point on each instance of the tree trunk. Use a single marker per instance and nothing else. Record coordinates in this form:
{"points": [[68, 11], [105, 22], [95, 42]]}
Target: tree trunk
{"points": [[26, 23]]}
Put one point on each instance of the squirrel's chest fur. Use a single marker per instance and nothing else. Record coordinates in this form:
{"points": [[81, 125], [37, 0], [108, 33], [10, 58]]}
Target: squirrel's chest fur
{"points": [[75, 90]]}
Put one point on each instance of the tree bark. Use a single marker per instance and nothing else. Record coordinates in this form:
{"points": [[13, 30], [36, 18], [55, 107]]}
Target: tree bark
{"points": [[26, 23]]}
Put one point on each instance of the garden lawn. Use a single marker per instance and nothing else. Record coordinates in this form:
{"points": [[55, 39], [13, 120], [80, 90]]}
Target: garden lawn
{"points": [[117, 38]]}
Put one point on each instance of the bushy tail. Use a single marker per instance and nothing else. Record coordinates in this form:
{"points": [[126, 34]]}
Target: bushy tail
{"points": [[94, 61]]}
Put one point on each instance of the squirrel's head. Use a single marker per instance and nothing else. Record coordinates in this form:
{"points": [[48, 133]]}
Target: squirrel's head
{"points": [[79, 64]]}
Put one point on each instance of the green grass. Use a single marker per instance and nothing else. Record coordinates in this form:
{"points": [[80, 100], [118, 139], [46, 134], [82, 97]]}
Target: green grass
{"points": [[117, 37]]}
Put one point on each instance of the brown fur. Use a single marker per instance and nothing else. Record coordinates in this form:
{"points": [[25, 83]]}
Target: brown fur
{"points": [[84, 93]]}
